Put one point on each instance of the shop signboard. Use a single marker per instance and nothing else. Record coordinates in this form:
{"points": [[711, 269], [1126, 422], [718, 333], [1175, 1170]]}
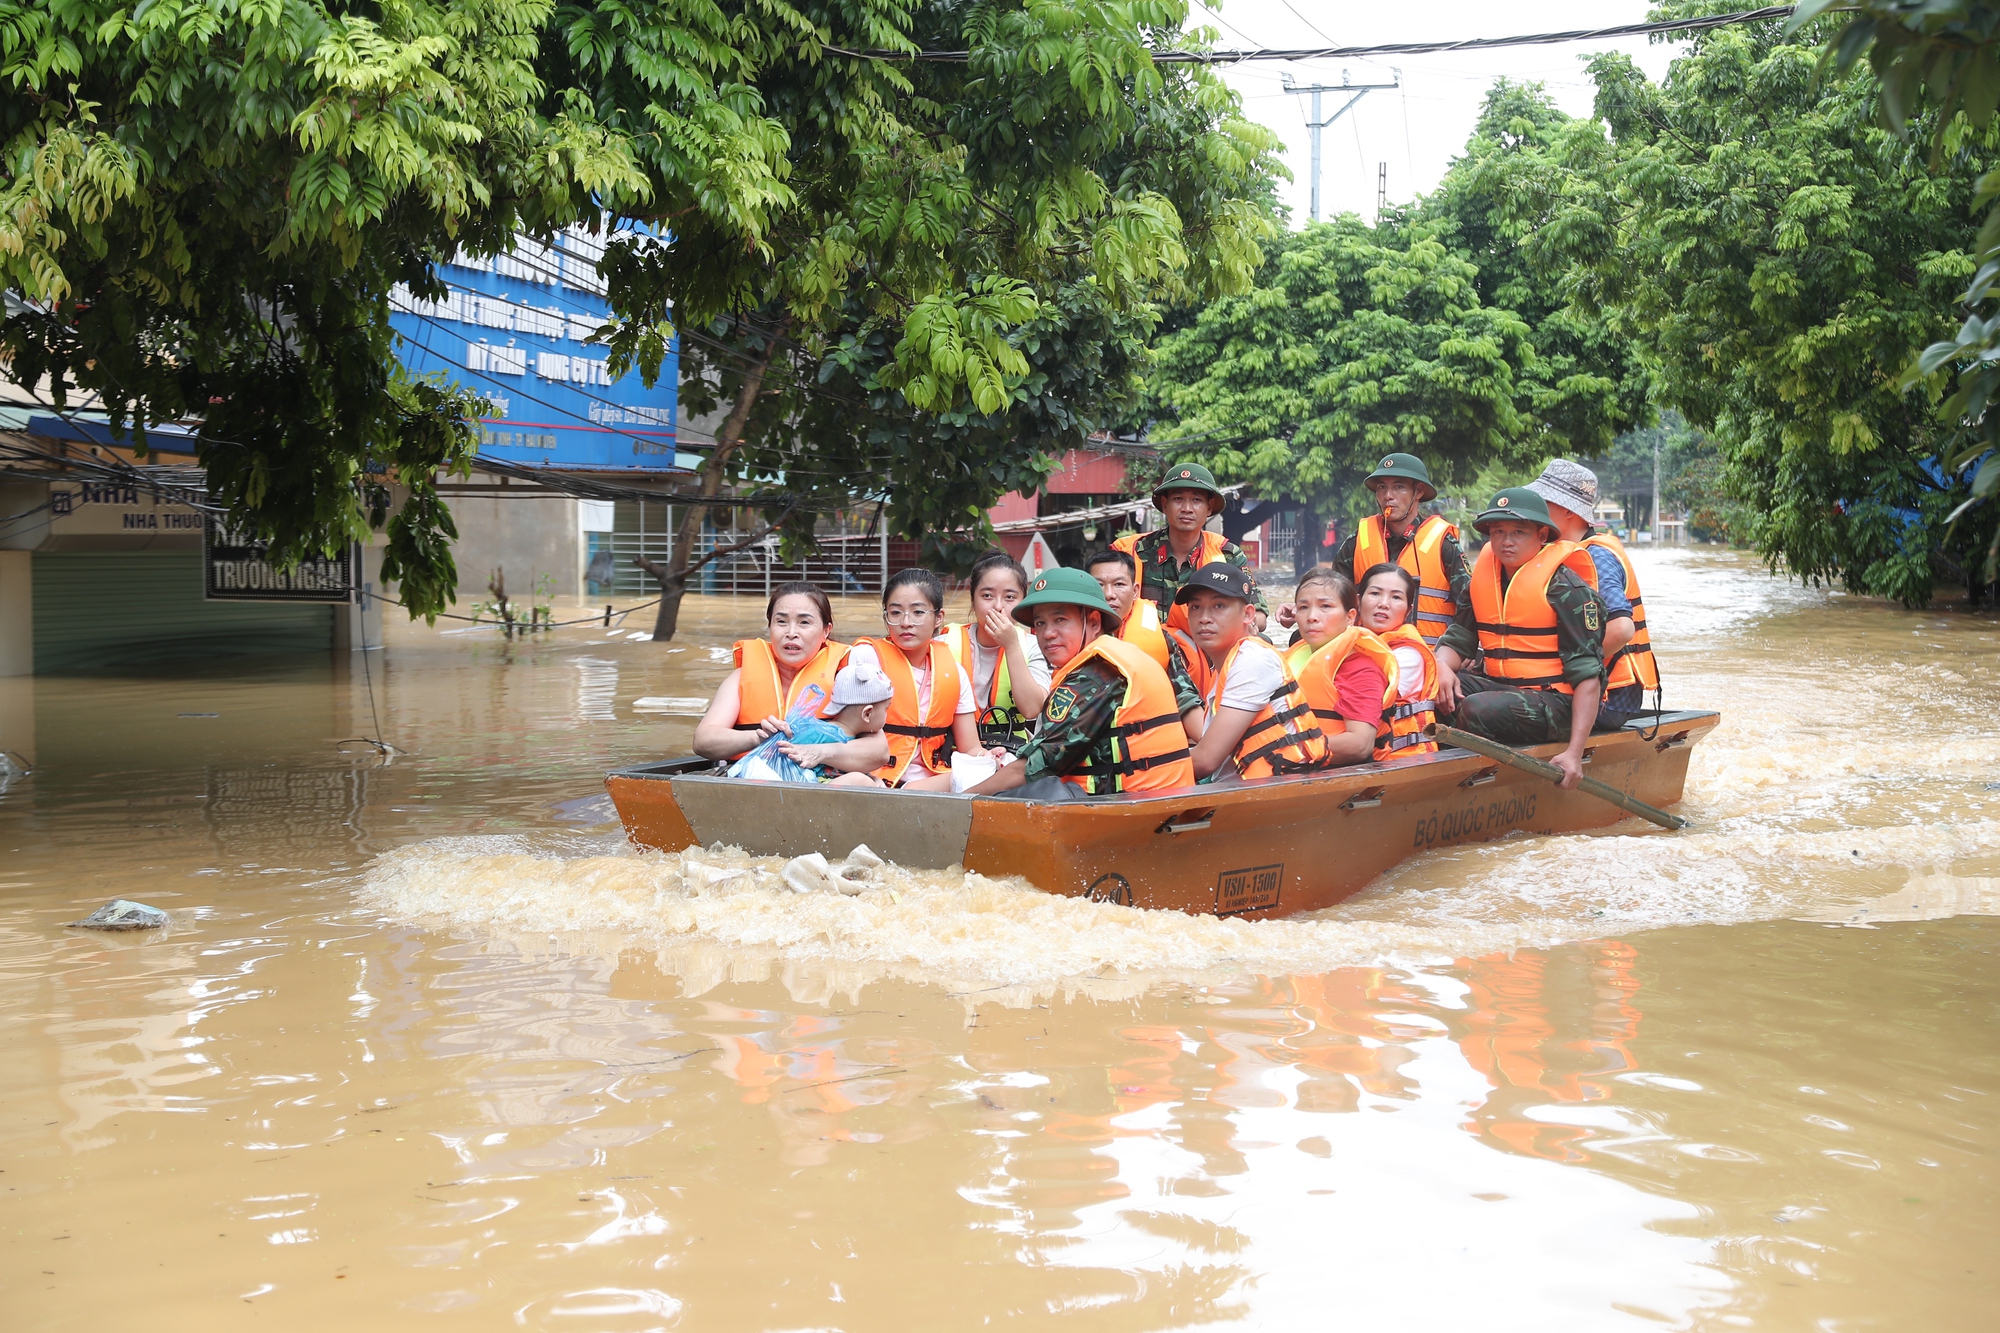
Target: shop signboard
{"points": [[515, 329], [236, 568], [114, 508]]}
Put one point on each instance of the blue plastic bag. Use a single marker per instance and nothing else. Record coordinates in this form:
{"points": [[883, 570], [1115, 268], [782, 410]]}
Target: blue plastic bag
{"points": [[767, 764]]}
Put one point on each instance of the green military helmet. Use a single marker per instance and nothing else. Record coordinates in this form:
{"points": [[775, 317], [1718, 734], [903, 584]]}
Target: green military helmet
{"points": [[1409, 468], [1067, 587], [1521, 503], [1190, 477]]}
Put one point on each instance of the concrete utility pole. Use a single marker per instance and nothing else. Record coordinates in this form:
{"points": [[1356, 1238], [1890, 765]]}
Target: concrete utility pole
{"points": [[1656, 491], [1381, 191], [1355, 91]]}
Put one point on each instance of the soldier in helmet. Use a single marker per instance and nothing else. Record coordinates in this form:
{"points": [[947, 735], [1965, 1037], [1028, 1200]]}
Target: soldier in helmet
{"points": [[1401, 534], [1111, 722], [1189, 498], [1534, 620]]}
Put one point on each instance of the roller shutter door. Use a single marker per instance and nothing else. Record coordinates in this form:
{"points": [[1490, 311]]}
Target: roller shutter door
{"points": [[108, 608]]}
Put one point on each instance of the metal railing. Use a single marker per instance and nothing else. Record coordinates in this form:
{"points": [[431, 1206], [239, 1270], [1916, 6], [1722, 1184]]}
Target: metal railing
{"points": [[842, 565]]}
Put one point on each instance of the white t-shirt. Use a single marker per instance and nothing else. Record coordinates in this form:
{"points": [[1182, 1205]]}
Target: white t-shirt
{"points": [[1409, 671], [986, 661], [1254, 676], [967, 701]]}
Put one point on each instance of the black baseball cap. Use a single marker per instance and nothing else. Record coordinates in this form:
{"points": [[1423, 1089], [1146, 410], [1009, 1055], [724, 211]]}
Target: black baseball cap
{"points": [[1223, 577]]}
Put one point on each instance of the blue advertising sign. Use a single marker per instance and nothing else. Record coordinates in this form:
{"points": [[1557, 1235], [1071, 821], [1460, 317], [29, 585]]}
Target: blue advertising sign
{"points": [[513, 329]]}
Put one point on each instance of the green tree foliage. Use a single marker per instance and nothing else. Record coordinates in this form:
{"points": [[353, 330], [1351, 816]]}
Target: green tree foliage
{"points": [[1436, 332], [1775, 253], [208, 202], [1940, 60], [204, 206], [1356, 342], [1690, 470], [1586, 384], [1006, 230]]}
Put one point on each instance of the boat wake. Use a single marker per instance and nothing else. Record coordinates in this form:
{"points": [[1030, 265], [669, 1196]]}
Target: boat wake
{"points": [[718, 914]]}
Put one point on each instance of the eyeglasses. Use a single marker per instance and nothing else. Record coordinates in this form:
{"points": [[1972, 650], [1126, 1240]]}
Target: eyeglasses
{"points": [[898, 616]]}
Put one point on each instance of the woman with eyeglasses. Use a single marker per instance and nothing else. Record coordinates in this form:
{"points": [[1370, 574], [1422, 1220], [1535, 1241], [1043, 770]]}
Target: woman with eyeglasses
{"points": [[934, 699]]}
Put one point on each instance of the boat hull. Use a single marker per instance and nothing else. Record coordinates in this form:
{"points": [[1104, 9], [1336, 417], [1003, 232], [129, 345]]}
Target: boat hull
{"points": [[1259, 849]]}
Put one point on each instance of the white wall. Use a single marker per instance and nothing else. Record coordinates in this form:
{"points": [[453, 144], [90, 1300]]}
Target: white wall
{"points": [[528, 537]]}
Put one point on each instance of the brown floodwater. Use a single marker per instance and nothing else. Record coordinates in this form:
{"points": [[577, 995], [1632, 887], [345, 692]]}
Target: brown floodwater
{"points": [[427, 1045]]}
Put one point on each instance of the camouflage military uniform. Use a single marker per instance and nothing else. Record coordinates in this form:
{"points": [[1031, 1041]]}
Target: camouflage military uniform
{"points": [[1514, 716], [1453, 560], [1186, 696], [1075, 723], [1161, 575]]}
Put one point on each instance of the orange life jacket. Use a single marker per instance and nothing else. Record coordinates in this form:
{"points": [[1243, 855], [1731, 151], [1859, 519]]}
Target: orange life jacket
{"points": [[1000, 721], [1152, 750], [1405, 720], [1282, 737], [912, 737], [1317, 667], [1142, 629], [1200, 672], [1518, 638], [758, 694], [1634, 664], [1210, 551], [1422, 555]]}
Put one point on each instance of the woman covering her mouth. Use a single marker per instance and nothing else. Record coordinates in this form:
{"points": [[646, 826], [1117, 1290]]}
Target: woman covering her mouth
{"points": [[934, 699]]}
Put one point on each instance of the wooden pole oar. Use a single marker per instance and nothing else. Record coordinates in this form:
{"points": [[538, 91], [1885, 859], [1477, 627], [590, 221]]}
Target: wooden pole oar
{"points": [[1604, 791]]}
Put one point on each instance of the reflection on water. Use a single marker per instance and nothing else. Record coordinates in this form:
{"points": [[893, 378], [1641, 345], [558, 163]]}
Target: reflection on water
{"points": [[512, 1072]]}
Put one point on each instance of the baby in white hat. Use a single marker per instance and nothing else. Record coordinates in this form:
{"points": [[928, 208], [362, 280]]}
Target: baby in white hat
{"points": [[861, 694], [859, 708]]}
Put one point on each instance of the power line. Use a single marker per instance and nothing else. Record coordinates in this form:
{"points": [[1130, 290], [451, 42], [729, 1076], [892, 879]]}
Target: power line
{"points": [[1217, 16], [1308, 22], [1703, 23]]}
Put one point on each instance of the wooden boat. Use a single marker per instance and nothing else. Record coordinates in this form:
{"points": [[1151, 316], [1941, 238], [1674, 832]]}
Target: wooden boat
{"points": [[1259, 849]]}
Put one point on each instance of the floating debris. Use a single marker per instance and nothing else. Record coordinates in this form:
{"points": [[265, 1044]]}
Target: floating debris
{"points": [[123, 914], [808, 874], [666, 703], [811, 873]]}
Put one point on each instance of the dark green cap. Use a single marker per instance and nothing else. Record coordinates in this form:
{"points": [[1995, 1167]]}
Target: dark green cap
{"points": [[1407, 466], [1517, 502], [1067, 587], [1189, 477]]}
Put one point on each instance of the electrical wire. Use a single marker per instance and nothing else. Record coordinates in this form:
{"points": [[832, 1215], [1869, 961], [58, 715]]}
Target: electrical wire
{"points": [[1701, 23], [1308, 22]]}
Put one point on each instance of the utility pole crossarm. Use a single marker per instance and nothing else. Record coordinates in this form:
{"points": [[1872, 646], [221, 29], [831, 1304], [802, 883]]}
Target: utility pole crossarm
{"points": [[1316, 124]]}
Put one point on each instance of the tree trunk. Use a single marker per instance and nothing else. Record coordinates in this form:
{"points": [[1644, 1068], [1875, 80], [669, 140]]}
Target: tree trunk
{"points": [[673, 579]]}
